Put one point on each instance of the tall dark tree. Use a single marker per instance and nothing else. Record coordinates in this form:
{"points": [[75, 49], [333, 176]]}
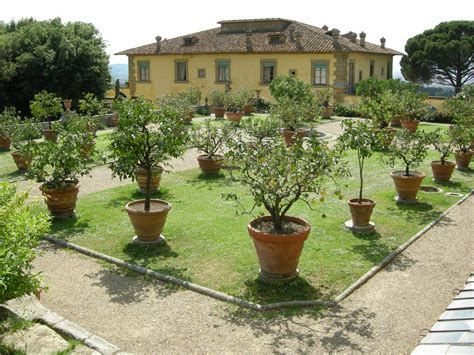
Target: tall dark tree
{"points": [[66, 59], [443, 54]]}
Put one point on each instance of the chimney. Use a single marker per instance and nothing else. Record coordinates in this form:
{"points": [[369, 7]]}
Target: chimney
{"points": [[292, 34], [362, 36], [325, 28], [382, 42], [335, 34], [248, 41], [298, 40], [158, 43]]}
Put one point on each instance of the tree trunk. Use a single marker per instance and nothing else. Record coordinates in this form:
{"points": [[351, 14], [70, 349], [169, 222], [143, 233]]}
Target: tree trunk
{"points": [[148, 188]]}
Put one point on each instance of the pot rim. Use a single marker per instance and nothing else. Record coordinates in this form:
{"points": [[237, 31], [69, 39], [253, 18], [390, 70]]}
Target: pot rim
{"points": [[154, 168], [354, 201], [142, 201], [70, 186], [215, 157], [460, 152], [400, 174], [234, 113], [307, 228], [446, 163], [409, 120]]}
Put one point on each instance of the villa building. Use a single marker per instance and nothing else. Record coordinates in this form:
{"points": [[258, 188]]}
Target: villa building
{"points": [[251, 53]]}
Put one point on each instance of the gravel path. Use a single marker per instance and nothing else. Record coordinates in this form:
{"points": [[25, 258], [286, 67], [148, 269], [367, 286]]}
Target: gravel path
{"points": [[388, 314]]}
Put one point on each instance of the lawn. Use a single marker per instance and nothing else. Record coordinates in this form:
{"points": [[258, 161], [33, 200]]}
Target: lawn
{"points": [[207, 243]]}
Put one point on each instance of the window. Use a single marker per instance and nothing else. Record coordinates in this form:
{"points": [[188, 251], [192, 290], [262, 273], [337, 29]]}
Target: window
{"points": [[360, 75], [320, 72], [389, 69], [292, 72], [372, 66], [181, 74], [381, 71], [222, 71], [144, 71], [201, 73], [268, 71]]}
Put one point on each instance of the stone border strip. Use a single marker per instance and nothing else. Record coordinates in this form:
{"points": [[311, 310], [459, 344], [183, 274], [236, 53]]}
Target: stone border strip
{"points": [[28, 307], [247, 304]]}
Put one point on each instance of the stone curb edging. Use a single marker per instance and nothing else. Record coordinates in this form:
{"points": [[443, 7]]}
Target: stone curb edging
{"points": [[251, 305], [28, 307]]}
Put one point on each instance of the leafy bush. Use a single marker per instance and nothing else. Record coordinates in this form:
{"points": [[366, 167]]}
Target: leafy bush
{"points": [[324, 97], [262, 106], [7, 118], [346, 111], [210, 139], [380, 109], [90, 105], [46, 106], [22, 134], [20, 230], [217, 98], [234, 101], [290, 88]]}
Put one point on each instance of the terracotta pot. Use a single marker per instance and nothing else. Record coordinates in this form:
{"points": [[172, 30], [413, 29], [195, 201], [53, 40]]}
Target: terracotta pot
{"points": [[140, 174], [395, 122], [148, 225], [61, 202], [411, 125], [442, 172], [463, 159], [234, 116], [290, 136], [5, 143], [21, 162], [210, 166], [278, 254], [248, 109], [407, 186], [219, 112], [327, 112], [361, 212], [49, 134]]}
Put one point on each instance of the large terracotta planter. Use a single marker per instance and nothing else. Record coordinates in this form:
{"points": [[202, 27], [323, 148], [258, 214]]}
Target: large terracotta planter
{"points": [[278, 254], [407, 186], [234, 116], [442, 172], [411, 125], [248, 109], [361, 212], [49, 134], [219, 112], [463, 159], [140, 174], [149, 225], [5, 143], [327, 112], [290, 136], [61, 202], [21, 161], [395, 122], [210, 166]]}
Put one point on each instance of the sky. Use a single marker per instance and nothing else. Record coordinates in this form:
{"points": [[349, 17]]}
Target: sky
{"points": [[129, 24]]}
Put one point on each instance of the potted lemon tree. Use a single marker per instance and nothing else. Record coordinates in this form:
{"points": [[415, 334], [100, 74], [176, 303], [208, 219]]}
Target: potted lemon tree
{"points": [[362, 137], [278, 177], [60, 164], [217, 98], [234, 102], [444, 144], [46, 106], [6, 119], [146, 136], [325, 99], [412, 109], [411, 148], [23, 135]]}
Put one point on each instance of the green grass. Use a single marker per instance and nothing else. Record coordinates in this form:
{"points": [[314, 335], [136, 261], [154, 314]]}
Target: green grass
{"points": [[207, 243]]}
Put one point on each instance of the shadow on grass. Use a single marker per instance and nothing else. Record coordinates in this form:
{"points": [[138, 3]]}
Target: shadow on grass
{"points": [[466, 171], [67, 228], [452, 185], [127, 288], [315, 327], [421, 211], [203, 181], [163, 193]]}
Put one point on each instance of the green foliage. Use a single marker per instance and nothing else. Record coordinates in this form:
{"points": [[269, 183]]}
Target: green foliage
{"points": [[217, 98], [235, 100], [362, 137], [346, 111], [380, 108], [442, 54], [46, 106], [65, 58], [443, 143], [260, 129], [286, 88], [90, 105], [192, 95], [60, 163], [181, 103], [373, 87], [146, 136], [7, 118], [461, 108], [20, 230], [412, 105], [409, 147], [22, 134], [278, 176], [324, 97], [210, 139]]}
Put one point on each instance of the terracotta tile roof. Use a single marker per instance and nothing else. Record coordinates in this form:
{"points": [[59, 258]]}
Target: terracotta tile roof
{"points": [[312, 40]]}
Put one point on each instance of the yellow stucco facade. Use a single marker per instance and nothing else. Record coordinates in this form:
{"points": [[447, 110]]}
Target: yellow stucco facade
{"points": [[245, 71]]}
